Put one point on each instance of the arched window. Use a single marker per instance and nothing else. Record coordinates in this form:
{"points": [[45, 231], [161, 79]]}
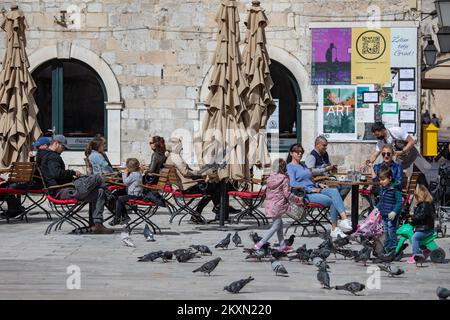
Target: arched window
{"points": [[71, 99], [286, 92]]}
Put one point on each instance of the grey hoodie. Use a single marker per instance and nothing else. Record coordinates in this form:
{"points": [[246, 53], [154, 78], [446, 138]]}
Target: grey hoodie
{"points": [[133, 180]]}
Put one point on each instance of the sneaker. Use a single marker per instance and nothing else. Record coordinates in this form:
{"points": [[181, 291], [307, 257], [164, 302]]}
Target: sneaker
{"points": [[114, 222], [286, 249], [411, 260], [345, 225], [258, 245], [337, 231]]}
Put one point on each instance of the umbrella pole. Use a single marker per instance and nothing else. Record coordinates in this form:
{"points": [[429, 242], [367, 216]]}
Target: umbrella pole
{"points": [[224, 202]]}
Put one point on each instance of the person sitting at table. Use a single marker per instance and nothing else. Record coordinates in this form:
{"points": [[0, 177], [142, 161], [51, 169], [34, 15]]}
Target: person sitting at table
{"points": [[55, 173], [188, 176], [301, 177], [319, 163], [158, 146], [94, 152], [388, 161], [40, 144]]}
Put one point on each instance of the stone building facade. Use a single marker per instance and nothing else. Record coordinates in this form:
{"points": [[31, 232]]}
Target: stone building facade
{"points": [[154, 57]]}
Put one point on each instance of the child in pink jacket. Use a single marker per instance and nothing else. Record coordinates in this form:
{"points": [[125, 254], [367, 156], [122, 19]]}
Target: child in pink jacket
{"points": [[277, 203]]}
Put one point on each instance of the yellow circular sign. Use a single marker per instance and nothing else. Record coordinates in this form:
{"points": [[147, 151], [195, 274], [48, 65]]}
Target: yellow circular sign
{"points": [[371, 45]]}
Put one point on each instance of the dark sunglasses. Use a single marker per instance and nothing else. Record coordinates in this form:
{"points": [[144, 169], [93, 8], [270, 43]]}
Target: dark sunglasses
{"points": [[384, 154]]}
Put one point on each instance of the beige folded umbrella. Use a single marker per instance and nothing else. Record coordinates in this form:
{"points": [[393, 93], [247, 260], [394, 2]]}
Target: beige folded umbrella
{"points": [[224, 128], [257, 73], [18, 110]]}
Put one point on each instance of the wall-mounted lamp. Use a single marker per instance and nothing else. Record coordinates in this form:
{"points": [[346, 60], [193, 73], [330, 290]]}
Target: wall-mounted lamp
{"points": [[430, 52], [62, 19], [443, 12]]}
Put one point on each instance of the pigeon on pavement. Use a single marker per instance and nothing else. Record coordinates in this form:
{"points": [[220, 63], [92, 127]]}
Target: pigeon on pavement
{"points": [[323, 276], [419, 258], [237, 286], [224, 242], [209, 266], [340, 242], [126, 239], [278, 254], [237, 239], [255, 237], [391, 270], [151, 256], [186, 256], [167, 255], [289, 241], [278, 267], [442, 293], [201, 248], [148, 234], [352, 287], [363, 255]]}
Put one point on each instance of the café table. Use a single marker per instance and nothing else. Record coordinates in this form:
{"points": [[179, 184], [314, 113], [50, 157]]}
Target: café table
{"points": [[355, 195]]}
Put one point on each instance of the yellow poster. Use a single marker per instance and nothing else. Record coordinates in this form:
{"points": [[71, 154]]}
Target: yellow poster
{"points": [[371, 55]]}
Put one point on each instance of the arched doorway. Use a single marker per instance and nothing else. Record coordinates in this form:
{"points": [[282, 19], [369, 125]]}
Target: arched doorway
{"points": [[71, 99], [286, 93]]}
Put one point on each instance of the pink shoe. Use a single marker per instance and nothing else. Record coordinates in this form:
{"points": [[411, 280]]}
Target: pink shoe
{"points": [[258, 245], [411, 260], [286, 249]]}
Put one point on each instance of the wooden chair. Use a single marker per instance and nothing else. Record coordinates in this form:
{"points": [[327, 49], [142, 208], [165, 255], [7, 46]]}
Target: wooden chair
{"points": [[144, 210], [23, 181], [185, 202], [250, 200], [67, 210]]}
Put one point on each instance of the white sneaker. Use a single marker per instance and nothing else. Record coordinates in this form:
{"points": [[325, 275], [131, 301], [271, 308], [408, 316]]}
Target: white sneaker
{"points": [[345, 225], [337, 232]]}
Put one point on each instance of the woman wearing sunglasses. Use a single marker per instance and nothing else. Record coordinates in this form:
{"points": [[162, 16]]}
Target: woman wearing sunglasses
{"points": [[388, 161]]}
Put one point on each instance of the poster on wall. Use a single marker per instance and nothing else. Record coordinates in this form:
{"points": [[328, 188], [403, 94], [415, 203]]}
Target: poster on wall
{"points": [[403, 47], [337, 112], [365, 111], [331, 56], [371, 52]]}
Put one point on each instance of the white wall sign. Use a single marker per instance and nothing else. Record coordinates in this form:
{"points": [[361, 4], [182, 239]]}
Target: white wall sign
{"points": [[403, 47]]}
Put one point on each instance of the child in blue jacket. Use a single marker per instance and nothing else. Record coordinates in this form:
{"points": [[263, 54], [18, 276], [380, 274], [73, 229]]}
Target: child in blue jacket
{"points": [[389, 206]]}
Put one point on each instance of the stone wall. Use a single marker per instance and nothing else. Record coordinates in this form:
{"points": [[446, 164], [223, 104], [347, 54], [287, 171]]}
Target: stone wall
{"points": [[160, 52]]}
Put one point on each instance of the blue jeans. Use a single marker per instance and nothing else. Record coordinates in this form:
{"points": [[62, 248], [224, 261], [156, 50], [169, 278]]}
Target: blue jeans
{"points": [[329, 197], [390, 230], [417, 238]]}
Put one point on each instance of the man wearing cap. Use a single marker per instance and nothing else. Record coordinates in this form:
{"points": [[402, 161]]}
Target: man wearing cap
{"points": [[40, 144], [54, 173]]}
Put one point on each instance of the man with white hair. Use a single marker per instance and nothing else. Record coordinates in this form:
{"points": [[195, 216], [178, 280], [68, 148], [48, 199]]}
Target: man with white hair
{"points": [[319, 163]]}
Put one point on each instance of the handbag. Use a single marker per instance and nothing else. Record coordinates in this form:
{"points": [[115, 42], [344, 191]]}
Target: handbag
{"points": [[295, 211]]}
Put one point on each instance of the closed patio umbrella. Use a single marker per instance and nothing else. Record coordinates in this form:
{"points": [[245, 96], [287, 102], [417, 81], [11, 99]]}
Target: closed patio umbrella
{"points": [[257, 73], [224, 135], [18, 110]]}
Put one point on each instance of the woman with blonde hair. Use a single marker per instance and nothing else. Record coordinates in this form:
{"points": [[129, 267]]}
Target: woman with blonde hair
{"points": [[422, 220]]}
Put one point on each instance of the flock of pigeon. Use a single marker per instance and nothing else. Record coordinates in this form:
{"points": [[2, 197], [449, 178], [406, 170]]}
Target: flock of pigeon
{"points": [[317, 257]]}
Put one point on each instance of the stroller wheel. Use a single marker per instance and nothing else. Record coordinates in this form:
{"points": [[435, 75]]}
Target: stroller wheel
{"points": [[437, 256]]}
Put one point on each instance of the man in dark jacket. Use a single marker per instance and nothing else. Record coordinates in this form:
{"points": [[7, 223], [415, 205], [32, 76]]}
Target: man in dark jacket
{"points": [[55, 173]]}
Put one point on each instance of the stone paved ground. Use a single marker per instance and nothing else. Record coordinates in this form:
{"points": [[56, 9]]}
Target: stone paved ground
{"points": [[33, 266]]}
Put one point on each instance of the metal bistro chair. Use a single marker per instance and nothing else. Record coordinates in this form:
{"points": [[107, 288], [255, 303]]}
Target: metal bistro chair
{"points": [[163, 188], [250, 200], [311, 215], [67, 210], [144, 210], [185, 202], [23, 175]]}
